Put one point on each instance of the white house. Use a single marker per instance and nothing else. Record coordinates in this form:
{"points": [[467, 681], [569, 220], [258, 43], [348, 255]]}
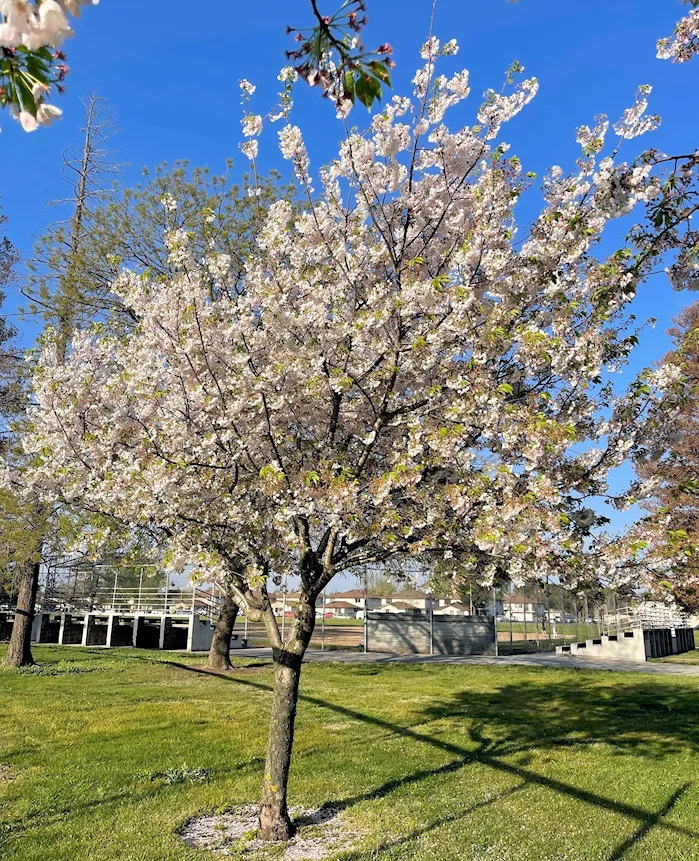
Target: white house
{"points": [[456, 608], [521, 608], [339, 609], [399, 607], [410, 597]]}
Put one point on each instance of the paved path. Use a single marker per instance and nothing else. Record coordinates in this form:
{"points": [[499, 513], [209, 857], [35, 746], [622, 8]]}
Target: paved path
{"points": [[533, 660]]}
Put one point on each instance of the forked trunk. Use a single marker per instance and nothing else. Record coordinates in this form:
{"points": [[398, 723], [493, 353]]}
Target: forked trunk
{"points": [[20, 652], [219, 653], [275, 822]]}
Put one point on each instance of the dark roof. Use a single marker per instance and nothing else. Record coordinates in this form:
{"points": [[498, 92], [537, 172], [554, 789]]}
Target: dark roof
{"points": [[516, 598], [353, 593], [409, 593]]}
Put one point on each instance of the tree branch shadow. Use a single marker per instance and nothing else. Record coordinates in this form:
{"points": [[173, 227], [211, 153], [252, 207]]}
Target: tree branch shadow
{"points": [[488, 752]]}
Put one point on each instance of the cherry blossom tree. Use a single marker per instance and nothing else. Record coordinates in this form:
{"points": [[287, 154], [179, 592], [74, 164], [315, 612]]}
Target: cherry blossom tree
{"points": [[671, 466], [402, 371]]}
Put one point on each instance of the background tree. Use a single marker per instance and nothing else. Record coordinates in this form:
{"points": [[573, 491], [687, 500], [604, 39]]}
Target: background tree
{"points": [[120, 227], [673, 464], [20, 522]]}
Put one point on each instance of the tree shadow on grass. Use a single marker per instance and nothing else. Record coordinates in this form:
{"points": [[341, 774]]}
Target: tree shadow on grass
{"points": [[434, 824], [652, 720], [534, 715]]}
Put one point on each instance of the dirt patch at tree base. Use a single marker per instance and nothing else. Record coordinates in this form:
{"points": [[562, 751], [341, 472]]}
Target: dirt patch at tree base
{"points": [[320, 833]]}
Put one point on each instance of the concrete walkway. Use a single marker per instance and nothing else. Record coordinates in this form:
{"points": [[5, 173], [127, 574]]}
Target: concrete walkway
{"points": [[532, 660]]}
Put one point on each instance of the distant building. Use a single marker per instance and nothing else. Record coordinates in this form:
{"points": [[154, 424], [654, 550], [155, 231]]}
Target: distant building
{"points": [[339, 609], [411, 597], [397, 606], [351, 604], [456, 608], [522, 608]]}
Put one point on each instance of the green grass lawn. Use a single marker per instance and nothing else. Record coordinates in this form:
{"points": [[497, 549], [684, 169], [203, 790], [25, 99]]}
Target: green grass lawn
{"points": [[105, 754]]}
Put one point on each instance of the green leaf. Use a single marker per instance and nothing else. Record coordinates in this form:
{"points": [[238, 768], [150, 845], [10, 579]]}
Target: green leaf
{"points": [[380, 71], [362, 92], [440, 281], [348, 85]]}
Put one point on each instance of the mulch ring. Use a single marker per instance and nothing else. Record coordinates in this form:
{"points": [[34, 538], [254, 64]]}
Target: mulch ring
{"points": [[320, 833]]}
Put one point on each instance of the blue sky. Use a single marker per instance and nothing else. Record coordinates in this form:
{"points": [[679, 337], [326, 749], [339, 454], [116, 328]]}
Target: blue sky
{"points": [[171, 75]]}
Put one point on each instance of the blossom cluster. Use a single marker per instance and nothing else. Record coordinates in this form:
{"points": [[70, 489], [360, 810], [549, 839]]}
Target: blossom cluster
{"points": [[29, 29], [684, 43]]}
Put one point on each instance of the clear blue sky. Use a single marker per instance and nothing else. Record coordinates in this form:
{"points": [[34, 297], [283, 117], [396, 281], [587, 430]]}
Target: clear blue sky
{"points": [[172, 74]]}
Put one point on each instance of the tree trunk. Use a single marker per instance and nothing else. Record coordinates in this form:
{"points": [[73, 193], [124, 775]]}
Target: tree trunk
{"points": [[20, 653], [219, 653], [275, 822]]}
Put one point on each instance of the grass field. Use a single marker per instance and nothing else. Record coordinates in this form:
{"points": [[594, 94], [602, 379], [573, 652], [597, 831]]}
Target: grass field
{"points": [[103, 755]]}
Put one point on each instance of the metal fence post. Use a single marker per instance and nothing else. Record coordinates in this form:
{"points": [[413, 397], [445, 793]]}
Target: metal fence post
{"points": [[524, 614], [366, 613], [495, 624], [114, 597], [577, 621], [322, 626], [563, 614], [512, 595], [429, 597]]}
